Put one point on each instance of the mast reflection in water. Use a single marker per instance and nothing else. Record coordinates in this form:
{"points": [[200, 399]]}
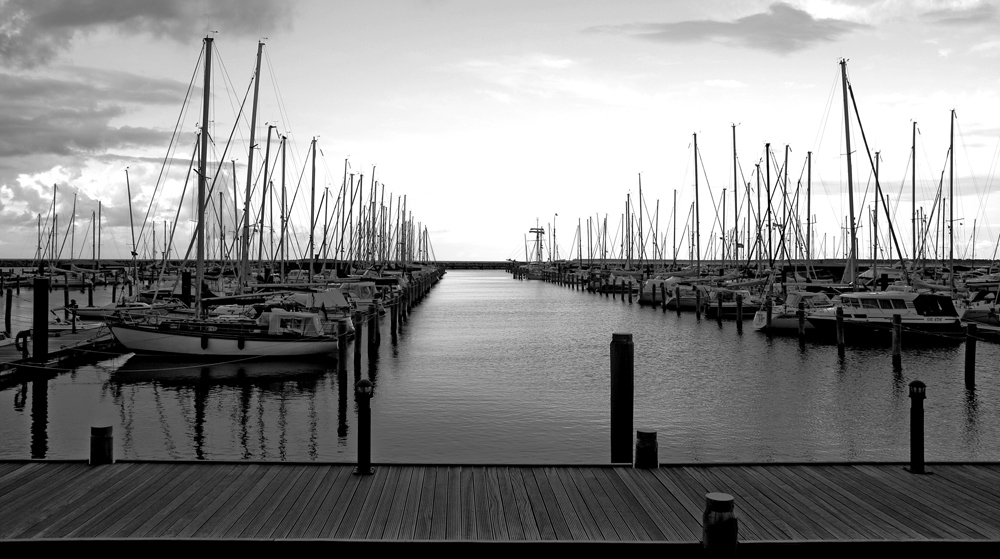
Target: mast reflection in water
{"points": [[493, 370]]}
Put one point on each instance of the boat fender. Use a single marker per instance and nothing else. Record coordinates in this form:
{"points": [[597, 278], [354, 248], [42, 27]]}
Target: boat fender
{"points": [[21, 341], [241, 342], [204, 341]]}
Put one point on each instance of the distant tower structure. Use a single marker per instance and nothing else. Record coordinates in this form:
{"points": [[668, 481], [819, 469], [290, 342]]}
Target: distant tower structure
{"points": [[539, 236]]}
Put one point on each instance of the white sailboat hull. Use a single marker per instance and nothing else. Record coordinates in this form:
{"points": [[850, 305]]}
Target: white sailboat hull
{"points": [[148, 340]]}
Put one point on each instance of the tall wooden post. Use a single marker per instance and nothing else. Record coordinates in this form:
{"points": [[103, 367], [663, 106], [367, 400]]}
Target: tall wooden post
{"points": [[897, 341], [341, 347], [739, 313], [970, 354], [622, 393], [801, 315], [663, 296], [918, 392], [358, 342], [6, 311], [840, 329], [40, 320], [363, 396]]}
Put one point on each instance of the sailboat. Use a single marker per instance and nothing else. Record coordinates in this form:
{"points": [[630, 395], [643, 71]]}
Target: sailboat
{"points": [[274, 332]]}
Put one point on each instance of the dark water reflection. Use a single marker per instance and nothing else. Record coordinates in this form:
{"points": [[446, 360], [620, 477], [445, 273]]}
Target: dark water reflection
{"points": [[489, 369]]}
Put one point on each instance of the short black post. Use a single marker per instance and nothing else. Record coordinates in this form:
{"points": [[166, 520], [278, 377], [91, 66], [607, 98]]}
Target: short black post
{"points": [[90, 295], [363, 396], [768, 312], [370, 317], [394, 318], [663, 296], [40, 320], [840, 330], [918, 392], [341, 347], [739, 313], [801, 315], [897, 341], [646, 450], [622, 388], [17, 284], [719, 525], [677, 299], [629, 288], [358, 341], [114, 291], [6, 311], [102, 445], [653, 290], [718, 306], [697, 302], [65, 296], [970, 355], [185, 287]]}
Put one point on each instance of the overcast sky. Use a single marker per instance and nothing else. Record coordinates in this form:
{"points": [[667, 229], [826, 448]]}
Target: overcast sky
{"points": [[489, 116]]}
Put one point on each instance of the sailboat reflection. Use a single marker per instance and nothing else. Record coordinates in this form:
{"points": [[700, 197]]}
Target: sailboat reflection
{"points": [[246, 402]]}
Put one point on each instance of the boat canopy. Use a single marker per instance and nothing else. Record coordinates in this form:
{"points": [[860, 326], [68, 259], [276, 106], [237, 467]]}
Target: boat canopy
{"points": [[285, 322], [330, 299]]}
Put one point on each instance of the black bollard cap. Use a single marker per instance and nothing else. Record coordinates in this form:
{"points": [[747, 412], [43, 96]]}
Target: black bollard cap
{"points": [[621, 337], [719, 502], [101, 431], [918, 390], [363, 387], [645, 435]]}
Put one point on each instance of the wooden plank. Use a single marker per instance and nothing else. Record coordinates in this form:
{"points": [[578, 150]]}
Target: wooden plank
{"points": [[651, 500], [861, 492], [639, 522], [313, 517], [646, 520], [330, 512], [949, 507], [561, 477], [397, 507], [79, 509], [523, 504], [615, 518], [168, 514], [680, 496], [269, 502], [468, 505], [802, 509], [511, 516], [484, 530], [190, 514], [594, 507], [239, 510], [494, 508], [627, 516], [854, 523], [555, 494], [351, 515], [39, 494], [439, 517], [974, 478], [857, 508], [137, 504], [245, 478], [422, 510], [542, 518], [455, 525], [297, 503], [786, 516], [27, 481], [380, 511], [560, 526]]}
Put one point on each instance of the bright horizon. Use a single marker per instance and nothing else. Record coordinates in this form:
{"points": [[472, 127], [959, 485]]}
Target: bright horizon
{"points": [[492, 116]]}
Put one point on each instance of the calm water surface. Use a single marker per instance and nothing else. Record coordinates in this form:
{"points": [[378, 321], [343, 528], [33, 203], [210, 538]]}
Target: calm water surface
{"points": [[490, 369]]}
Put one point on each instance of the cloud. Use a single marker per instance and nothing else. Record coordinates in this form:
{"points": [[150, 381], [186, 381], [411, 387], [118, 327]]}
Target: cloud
{"points": [[33, 32], [781, 29], [963, 15], [986, 48], [725, 84]]}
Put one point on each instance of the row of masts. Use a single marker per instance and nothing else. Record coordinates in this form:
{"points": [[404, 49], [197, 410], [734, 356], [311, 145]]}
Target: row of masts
{"points": [[772, 231]]}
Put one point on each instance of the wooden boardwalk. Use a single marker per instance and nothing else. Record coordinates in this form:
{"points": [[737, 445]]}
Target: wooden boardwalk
{"points": [[278, 501], [66, 344]]}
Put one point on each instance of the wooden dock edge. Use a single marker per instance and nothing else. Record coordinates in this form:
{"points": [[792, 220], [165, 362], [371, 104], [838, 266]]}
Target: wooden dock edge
{"points": [[762, 549]]}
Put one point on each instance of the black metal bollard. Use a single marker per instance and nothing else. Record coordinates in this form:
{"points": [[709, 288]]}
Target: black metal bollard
{"points": [[897, 341], [970, 355], [102, 445], [363, 396], [918, 392], [719, 525], [646, 450], [622, 392]]}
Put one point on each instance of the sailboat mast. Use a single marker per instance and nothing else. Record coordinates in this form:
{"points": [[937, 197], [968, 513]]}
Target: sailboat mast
{"points": [[850, 178], [263, 194], [245, 246], [284, 212], [809, 162], [736, 208], [697, 221], [202, 176], [951, 209], [312, 211], [913, 192]]}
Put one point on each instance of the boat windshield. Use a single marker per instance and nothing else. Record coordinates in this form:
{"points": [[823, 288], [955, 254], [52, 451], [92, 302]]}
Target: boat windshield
{"points": [[931, 305]]}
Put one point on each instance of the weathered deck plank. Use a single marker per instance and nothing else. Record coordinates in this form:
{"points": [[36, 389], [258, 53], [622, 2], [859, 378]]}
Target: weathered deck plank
{"points": [[264, 501]]}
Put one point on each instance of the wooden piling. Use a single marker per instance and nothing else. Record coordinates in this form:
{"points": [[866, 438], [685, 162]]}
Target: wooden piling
{"points": [[622, 388], [801, 315], [840, 329], [102, 445], [6, 311], [40, 320], [718, 306], [646, 450], [65, 295], [697, 302], [663, 297], [358, 340], [970, 355], [370, 317], [341, 347], [768, 311], [918, 392], [739, 313], [90, 295], [628, 287], [677, 299], [719, 526], [897, 341], [393, 318]]}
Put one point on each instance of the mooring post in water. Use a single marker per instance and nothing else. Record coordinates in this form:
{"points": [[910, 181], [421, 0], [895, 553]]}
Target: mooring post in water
{"points": [[185, 287], [622, 389], [393, 318], [646, 450], [719, 525], [6, 311], [341, 347], [65, 296], [363, 396], [358, 341], [677, 299], [102, 445], [663, 297], [40, 320], [768, 311], [90, 295], [739, 313], [718, 306], [840, 330], [629, 288], [801, 315], [918, 392], [17, 284], [970, 355], [370, 317], [897, 341]]}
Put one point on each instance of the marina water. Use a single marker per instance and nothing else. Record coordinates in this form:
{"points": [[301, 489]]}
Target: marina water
{"points": [[494, 370]]}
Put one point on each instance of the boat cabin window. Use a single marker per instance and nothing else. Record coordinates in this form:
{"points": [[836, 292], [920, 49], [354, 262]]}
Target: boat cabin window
{"points": [[869, 303], [885, 303], [930, 305], [898, 304]]}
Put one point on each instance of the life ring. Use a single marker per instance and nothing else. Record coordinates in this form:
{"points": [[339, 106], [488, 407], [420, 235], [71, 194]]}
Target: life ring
{"points": [[22, 335]]}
